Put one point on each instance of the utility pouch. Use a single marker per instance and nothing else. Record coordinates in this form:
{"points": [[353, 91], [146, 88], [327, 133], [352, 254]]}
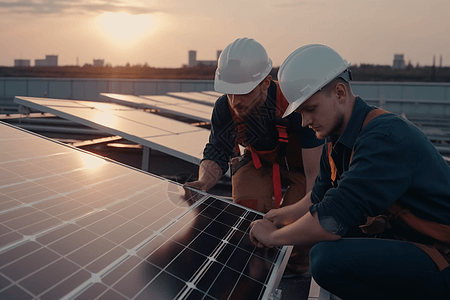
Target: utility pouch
{"points": [[438, 251], [376, 225]]}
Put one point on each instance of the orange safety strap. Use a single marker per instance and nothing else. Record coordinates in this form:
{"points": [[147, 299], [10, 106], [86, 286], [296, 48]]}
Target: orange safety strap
{"points": [[435, 255], [373, 114], [370, 116], [276, 178], [331, 161], [282, 134], [276, 184], [281, 105], [283, 137], [256, 160], [440, 232]]}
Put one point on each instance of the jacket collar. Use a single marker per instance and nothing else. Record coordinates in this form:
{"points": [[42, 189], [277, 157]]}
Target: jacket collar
{"points": [[351, 132]]}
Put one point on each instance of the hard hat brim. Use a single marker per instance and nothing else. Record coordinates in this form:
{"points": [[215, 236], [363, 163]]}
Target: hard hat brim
{"points": [[294, 105], [307, 70], [222, 86], [241, 66], [234, 88]]}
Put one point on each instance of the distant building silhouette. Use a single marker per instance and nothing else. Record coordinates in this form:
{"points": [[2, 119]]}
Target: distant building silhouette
{"points": [[40, 63], [99, 62], [194, 62], [21, 63], [399, 62], [49, 61]]}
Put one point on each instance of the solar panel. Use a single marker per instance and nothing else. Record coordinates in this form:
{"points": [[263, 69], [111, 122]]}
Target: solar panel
{"points": [[314, 290], [78, 226], [150, 130], [212, 93], [127, 99], [165, 104], [198, 97]]}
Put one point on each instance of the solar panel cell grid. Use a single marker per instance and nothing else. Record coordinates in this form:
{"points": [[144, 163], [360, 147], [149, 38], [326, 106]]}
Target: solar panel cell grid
{"points": [[150, 130], [93, 229]]}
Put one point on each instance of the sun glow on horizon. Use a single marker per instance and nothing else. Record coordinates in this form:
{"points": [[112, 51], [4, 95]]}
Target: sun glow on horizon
{"points": [[123, 27]]}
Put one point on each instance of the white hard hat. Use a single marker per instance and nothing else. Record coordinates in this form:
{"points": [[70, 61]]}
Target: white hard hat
{"points": [[307, 70], [242, 65]]}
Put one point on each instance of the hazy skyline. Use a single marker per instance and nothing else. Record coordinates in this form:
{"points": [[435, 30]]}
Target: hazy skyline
{"points": [[160, 33]]}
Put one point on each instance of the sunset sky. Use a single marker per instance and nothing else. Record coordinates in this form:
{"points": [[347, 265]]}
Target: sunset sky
{"points": [[161, 32]]}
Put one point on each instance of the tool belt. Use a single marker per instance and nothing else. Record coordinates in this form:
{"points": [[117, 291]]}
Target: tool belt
{"points": [[438, 234], [287, 151], [269, 159]]}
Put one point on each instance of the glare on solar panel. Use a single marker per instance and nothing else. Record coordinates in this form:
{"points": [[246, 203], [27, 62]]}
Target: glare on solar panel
{"points": [[78, 226]]}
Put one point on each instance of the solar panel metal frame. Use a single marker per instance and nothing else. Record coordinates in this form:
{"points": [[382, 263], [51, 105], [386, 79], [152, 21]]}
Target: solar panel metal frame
{"points": [[157, 141], [53, 251]]}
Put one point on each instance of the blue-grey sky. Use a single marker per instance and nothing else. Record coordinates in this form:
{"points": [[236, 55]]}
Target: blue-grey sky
{"points": [[161, 32]]}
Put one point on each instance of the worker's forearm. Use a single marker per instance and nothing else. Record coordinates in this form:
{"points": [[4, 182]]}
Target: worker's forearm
{"points": [[289, 214], [209, 174], [304, 204], [311, 162], [306, 231], [310, 183]]}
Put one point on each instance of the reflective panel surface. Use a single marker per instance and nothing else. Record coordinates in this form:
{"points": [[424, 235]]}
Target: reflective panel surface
{"points": [[131, 124], [78, 226], [199, 97], [164, 103]]}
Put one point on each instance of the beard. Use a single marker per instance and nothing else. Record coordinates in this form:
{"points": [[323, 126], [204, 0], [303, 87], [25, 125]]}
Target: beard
{"points": [[243, 111], [336, 127]]}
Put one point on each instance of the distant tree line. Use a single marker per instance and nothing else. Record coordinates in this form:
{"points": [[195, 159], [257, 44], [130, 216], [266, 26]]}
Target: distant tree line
{"points": [[363, 72], [366, 72]]}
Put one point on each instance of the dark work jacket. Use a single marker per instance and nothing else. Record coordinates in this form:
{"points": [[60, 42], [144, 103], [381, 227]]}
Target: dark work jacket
{"points": [[261, 132], [392, 161]]}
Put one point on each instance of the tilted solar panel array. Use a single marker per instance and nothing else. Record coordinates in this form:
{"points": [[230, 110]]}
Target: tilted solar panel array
{"points": [[78, 226], [198, 97], [165, 104], [149, 130]]}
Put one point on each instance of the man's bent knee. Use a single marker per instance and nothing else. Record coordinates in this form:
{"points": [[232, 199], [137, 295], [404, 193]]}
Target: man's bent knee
{"points": [[323, 261]]}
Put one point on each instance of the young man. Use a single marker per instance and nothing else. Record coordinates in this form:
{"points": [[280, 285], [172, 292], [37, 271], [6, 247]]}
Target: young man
{"points": [[374, 163]]}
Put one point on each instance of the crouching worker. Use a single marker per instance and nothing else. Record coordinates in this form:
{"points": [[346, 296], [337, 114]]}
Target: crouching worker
{"points": [[377, 172], [249, 114]]}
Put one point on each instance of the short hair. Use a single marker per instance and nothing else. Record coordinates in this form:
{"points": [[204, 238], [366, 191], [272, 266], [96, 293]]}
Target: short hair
{"points": [[329, 88]]}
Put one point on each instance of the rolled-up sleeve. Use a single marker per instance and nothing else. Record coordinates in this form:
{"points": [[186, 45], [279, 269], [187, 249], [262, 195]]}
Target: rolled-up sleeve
{"points": [[378, 175]]}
